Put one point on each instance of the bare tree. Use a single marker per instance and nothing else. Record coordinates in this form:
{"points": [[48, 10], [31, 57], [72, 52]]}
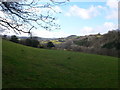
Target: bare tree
{"points": [[24, 15]]}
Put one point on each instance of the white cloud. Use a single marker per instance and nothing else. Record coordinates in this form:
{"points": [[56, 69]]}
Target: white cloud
{"points": [[87, 29], [83, 13], [37, 10], [113, 14], [49, 34], [39, 33], [107, 26], [112, 11], [2, 14], [112, 3], [57, 9], [67, 14], [104, 28], [110, 26], [87, 13]]}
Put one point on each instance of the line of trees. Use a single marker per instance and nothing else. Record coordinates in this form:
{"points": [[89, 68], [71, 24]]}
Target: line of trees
{"points": [[32, 42]]}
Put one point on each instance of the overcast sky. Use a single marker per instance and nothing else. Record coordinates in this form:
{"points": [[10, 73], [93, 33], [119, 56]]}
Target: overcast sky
{"points": [[82, 18]]}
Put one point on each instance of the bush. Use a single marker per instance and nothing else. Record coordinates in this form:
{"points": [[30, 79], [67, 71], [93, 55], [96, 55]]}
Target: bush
{"points": [[32, 42], [50, 45], [111, 45], [14, 39], [83, 42]]}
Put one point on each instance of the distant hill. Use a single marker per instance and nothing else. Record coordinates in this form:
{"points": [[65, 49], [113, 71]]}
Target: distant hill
{"points": [[39, 38], [109, 40], [106, 44], [71, 36]]}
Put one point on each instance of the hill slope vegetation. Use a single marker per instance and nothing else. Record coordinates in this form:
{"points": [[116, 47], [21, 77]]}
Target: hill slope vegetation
{"points": [[27, 67]]}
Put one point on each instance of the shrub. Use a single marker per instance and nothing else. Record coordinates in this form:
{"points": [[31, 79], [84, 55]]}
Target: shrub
{"points": [[14, 39], [50, 45], [32, 42]]}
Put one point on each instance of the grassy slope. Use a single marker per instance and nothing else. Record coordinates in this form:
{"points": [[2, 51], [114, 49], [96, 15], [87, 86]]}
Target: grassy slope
{"points": [[31, 67]]}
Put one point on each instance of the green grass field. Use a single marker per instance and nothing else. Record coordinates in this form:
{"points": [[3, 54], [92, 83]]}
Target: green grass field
{"points": [[27, 67]]}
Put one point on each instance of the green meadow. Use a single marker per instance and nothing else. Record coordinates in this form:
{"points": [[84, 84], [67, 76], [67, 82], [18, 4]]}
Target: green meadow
{"points": [[28, 67]]}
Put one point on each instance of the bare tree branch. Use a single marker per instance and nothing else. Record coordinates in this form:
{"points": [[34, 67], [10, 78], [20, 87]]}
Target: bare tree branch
{"points": [[23, 16]]}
